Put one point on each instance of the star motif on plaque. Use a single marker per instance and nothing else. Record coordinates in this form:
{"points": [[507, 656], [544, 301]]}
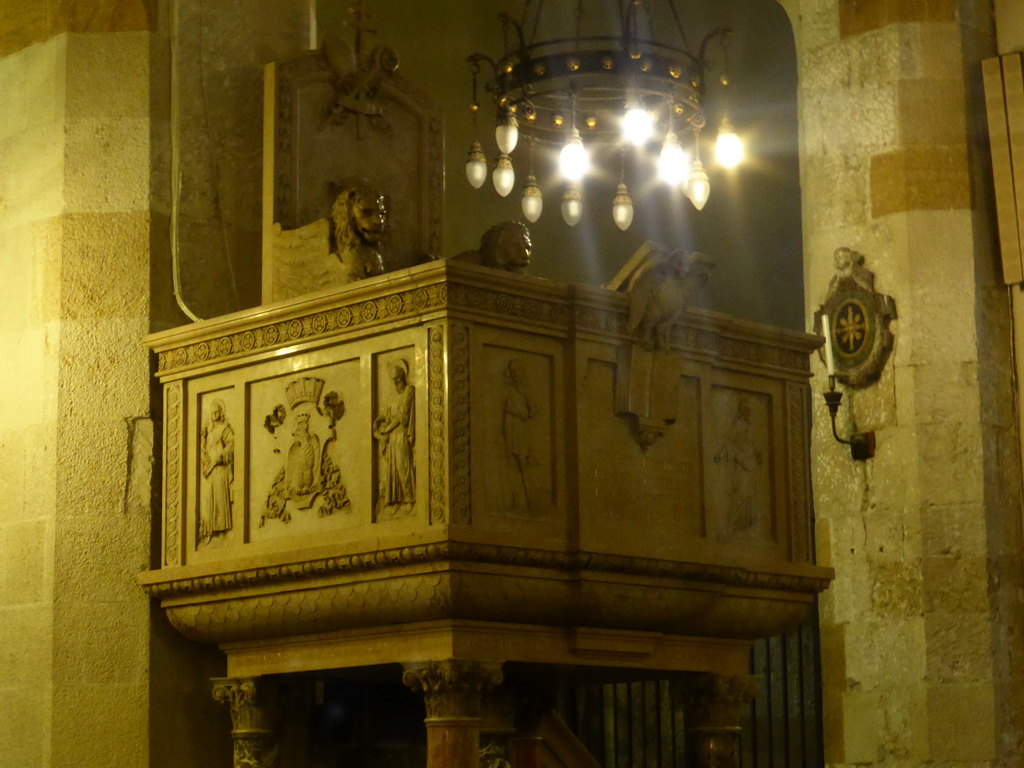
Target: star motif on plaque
{"points": [[859, 320]]}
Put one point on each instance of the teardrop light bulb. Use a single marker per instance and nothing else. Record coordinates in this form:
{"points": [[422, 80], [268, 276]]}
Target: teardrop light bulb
{"points": [[637, 126], [573, 160], [699, 187], [503, 176], [572, 205], [728, 147], [673, 162], [476, 165], [533, 201], [622, 208], [506, 132]]}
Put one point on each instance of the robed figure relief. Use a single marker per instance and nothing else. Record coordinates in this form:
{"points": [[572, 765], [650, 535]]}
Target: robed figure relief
{"points": [[394, 429], [518, 411], [741, 462], [217, 464], [305, 430]]}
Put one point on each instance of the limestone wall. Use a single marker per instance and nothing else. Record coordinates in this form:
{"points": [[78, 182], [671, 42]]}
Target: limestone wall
{"points": [[76, 443], [31, 153], [923, 619]]}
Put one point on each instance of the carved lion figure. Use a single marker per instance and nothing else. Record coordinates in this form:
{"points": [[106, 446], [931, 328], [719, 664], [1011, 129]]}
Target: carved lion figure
{"points": [[357, 220], [504, 246]]}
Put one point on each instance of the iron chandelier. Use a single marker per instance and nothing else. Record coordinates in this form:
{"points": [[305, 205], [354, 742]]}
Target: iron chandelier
{"points": [[576, 91]]}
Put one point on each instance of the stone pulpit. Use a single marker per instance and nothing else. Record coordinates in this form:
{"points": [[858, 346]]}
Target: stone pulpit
{"points": [[456, 468], [470, 474]]}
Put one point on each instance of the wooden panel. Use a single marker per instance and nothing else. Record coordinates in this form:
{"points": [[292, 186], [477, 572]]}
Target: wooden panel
{"points": [[1002, 170], [1013, 90]]}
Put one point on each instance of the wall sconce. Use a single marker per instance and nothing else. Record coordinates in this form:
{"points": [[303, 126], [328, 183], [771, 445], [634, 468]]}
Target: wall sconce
{"points": [[862, 444]]}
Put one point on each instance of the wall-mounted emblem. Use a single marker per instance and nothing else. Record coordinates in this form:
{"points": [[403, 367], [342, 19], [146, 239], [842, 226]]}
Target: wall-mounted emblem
{"points": [[859, 320]]}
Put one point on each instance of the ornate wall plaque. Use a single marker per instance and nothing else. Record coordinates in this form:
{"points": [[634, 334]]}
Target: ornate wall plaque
{"points": [[859, 320]]}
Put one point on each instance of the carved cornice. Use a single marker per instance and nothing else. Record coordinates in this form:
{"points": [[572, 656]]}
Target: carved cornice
{"points": [[494, 555], [452, 688], [448, 287], [317, 325]]}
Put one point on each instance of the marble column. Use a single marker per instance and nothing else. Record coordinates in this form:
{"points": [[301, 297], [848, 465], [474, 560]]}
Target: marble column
{"points": [[253, 704], [713, 707], [452, 691]]}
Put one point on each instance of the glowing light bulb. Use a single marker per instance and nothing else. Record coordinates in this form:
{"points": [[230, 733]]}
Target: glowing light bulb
{"points": [[622, 208], [476, 166], [503, 176], [533, 201], [673, 162], [572, 205], [728, 148], [574, 161], [637, 126], [506, 132], [699, 188]]}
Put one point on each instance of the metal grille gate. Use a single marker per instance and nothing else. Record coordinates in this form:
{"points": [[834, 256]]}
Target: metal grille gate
{"points": [[633, 725]]}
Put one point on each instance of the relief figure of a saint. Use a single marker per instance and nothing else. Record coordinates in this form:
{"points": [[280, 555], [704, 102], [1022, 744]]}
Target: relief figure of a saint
{"points": [[518, 410], [740, 459], [217, 463], [395, 432]]}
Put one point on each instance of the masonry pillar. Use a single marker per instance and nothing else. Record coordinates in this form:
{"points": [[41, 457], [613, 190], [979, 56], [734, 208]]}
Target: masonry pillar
{"points": [[920, 628], [452, 690]]}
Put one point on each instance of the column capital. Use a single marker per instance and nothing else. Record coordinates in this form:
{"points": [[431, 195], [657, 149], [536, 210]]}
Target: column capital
{"points": [[713, 707], [252, 702], [452, 687]]}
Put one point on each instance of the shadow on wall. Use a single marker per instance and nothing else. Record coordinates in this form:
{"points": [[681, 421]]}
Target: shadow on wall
{"points": [[751, 224]]}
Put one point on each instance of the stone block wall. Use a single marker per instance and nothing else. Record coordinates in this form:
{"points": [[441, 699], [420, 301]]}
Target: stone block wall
{"points": [[921, 625], [76, 444]]}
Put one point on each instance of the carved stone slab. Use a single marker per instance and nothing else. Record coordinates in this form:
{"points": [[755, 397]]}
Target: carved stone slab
{"points": [[314, 144]]}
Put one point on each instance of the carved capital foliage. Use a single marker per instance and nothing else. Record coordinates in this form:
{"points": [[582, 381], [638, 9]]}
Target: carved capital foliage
{"points": [[452, 688], [253, 705], [714, 701], [713, 707]]}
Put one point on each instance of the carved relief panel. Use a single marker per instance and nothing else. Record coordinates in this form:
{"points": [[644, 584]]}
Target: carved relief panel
{"points": [[517, 420], [394, 435], [741, 490], [214, 443], [306, 473], [298, 450], [215, 515]]}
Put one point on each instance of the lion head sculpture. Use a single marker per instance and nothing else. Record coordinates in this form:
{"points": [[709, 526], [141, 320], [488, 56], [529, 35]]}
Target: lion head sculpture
{"points": [[358, 216], [506, 246]]}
